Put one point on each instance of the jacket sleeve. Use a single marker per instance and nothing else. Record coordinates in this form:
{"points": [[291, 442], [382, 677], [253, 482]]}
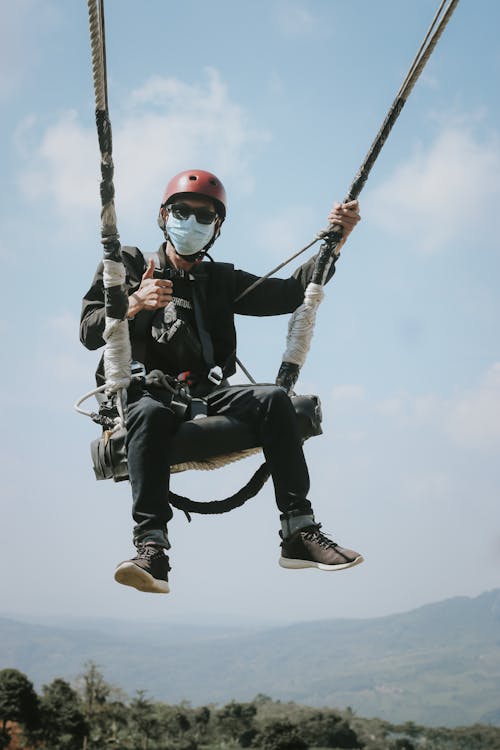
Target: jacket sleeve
{"points": [[274, 296], [305, 271], [92, 316], [92, 319]]}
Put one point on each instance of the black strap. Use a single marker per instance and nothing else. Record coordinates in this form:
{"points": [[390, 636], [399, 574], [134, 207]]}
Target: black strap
{"points": [[199, 289], [142, 325], [251, 488]]}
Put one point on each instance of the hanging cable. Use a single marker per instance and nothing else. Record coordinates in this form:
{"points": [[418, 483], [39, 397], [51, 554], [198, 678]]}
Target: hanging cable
{"points": [[117, 352], [324, 233], [302, 322]]}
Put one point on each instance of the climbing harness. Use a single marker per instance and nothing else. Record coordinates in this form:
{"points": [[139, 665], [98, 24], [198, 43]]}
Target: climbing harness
{"points": [[109, 451]]}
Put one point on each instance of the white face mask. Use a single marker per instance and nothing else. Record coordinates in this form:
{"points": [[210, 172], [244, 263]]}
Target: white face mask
{"points": [[187, 235]]}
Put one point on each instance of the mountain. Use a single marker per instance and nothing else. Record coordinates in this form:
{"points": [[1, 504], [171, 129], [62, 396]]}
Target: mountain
{"points": [[436, 665]]}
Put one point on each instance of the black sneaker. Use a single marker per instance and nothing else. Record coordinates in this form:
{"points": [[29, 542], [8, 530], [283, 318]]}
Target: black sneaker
{"points": [[147, 571], [309, 548]]}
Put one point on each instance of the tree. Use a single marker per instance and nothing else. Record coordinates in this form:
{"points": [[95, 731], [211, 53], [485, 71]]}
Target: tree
{"points": [[329, 730], [115, 717], [280, 735], [18, 703], [403, 744], [143, 717], [94, 691], [95, 688], [63, 724], [235, 718]]}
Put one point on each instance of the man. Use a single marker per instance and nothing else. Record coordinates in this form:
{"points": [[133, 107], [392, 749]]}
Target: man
{"points": [[187, 325]]}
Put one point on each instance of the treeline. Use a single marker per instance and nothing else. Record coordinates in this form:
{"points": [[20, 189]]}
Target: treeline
{"points": [[93, 715]]}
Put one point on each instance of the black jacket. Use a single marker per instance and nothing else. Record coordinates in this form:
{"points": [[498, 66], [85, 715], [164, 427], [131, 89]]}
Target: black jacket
{"points": [[217, 285]]}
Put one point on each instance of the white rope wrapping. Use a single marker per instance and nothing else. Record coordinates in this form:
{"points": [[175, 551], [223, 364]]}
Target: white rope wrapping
{"points": [[117, 353], [113, 274], [301, 326], [208, 464]]}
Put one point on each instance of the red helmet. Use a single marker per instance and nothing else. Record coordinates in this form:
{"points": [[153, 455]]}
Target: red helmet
{"points": [[200, 182]]}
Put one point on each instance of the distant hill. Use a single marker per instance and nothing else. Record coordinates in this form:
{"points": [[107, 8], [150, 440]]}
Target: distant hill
{"points": [[436, 665]]}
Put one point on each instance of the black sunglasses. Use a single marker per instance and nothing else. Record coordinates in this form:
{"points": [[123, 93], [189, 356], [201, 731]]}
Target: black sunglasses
{"points": [[183, 211]]}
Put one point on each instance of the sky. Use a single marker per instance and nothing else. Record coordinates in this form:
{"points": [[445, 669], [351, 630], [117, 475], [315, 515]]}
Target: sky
{"points": [[281, 99]]}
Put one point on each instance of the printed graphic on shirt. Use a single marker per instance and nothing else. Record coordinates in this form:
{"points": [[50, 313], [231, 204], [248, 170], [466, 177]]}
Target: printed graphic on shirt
{"points": [[181, 302], [176, 346]]}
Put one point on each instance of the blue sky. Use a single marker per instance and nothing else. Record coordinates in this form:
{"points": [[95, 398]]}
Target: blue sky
{"points": [[282, 100]]}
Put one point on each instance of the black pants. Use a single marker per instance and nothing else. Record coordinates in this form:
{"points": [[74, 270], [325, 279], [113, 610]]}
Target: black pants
{"points": [[151, 426]]}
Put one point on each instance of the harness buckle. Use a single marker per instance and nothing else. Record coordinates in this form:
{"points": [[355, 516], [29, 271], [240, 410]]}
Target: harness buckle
{"points": [[215, 375], [137, 372]]}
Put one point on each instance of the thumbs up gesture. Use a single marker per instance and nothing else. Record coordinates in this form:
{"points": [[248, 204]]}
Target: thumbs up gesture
{"points": [[152, 294]]}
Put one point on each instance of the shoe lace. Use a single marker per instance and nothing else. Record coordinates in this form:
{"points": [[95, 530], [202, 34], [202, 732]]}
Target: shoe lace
{"points": [[149, 551], [313, 534]]}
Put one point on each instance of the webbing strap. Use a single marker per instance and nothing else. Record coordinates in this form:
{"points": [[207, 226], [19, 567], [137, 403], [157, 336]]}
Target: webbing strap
{"points": [[251, 488]]}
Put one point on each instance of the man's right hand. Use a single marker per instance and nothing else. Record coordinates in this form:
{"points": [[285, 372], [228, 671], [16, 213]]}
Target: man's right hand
{"points": [[152, 294]]}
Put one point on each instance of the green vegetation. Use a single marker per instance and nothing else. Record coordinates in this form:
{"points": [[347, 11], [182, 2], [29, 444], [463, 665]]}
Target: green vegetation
{"points": [[438, 665], [92, 715]]}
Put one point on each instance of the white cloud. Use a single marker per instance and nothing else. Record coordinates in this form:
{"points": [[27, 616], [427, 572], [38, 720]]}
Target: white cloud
{"points": [[62, 362], [443, 193], [23, 136], [5, 252], [278, 235], [65, 324], [474, 418], [22, 25], [71, 370], [64, 166], [390, 407], [165, 126], [469, 419], [276, 85], [295, 19], [348, 393]]}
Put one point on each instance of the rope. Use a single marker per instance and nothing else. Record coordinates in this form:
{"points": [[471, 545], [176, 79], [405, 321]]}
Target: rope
{"points": [[97, 59], [424, 52], [299, 340], [404, 91], [252, 487], [217, 462], [85, 397], [245, 371], [259, 281], [117, 353], [422, 46]]}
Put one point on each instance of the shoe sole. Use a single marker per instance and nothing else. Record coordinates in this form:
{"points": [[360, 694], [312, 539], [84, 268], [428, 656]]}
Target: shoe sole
{"points": [[291, 564], [130, 574]]}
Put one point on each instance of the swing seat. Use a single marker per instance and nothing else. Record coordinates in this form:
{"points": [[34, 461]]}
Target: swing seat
{"points": [[206, 443]]}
